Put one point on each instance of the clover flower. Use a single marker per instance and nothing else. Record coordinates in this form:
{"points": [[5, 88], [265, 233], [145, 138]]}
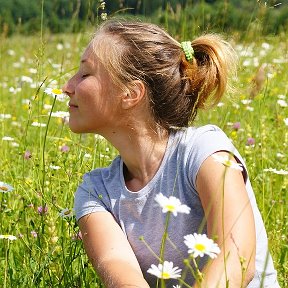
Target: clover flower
{"points": [[27, 155], [64, 148], [8, 237], [58, 93], [200, 245], [5, 188], [42, 210], [165, 271], [171, 204], [236, 125], [227, 162], [250, 141]]}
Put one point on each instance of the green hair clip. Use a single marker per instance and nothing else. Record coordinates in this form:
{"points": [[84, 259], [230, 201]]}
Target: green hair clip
{"points": [[188, 50]]}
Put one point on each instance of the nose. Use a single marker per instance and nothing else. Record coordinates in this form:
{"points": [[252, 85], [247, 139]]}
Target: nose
{"points": [[68, 87]]}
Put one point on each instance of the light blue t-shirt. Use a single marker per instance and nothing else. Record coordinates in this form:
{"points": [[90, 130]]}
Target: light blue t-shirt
{"points": [[138, 214]]}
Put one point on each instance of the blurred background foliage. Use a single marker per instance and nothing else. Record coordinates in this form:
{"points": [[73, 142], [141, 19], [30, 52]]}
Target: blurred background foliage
{"points": [[62, 16]]}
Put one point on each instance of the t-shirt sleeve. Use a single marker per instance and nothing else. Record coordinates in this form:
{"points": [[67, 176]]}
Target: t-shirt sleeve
{"points": [[208, 140], [87, 199]]}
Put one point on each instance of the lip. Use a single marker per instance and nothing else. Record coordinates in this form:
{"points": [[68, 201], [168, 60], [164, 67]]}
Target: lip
{"points": [[72, 106]]}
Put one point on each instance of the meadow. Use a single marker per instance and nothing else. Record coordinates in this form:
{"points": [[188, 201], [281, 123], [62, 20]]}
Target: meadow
{"points": [[44, 161]]}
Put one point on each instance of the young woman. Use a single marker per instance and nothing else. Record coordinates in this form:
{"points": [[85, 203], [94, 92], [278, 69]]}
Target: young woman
{"points": [[140, 88]]}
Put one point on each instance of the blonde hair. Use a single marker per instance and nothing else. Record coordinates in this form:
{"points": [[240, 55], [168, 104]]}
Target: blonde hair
{"points": [[176, 88]]}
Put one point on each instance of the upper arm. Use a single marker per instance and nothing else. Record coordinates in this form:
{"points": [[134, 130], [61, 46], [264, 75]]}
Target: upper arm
{"points": [[227, 208], [108, 248]]}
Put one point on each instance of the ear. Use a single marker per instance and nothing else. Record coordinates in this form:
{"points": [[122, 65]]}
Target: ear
{"points": [[135, 93]]}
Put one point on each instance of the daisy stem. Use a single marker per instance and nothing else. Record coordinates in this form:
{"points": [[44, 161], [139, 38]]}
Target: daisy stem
{"points": [[184, 283], [198, 274], [43, 157], [149, 248], [188, 265], [6, 264], [163, 242]]}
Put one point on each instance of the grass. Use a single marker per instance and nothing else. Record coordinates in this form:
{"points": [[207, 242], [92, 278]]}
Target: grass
{"points": [[47, 252]]}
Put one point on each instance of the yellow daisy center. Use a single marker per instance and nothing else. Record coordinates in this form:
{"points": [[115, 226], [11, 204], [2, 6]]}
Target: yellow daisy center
{"points": [[227, 163], [165, 275], [170, 207], [200, 247], [3, 188], [67, 212], [57, 91]]}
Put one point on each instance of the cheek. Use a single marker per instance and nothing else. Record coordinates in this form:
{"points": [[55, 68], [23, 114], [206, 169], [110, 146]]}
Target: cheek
{"points": [[88, 92]]}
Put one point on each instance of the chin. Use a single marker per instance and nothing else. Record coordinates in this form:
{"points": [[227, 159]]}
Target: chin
{"points": [[75, 129]]}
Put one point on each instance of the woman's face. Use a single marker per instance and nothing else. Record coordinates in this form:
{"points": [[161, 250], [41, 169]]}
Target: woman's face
{"points": [[94, 104]]}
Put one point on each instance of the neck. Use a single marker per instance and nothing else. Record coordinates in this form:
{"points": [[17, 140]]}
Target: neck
{"points": [[142, 150]]}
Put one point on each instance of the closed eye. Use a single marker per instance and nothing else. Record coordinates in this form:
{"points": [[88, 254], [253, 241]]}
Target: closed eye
{"points": [[85, 75]]}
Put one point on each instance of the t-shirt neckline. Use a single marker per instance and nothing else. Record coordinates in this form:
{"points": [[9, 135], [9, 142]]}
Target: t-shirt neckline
{"points": [[147, 188]]}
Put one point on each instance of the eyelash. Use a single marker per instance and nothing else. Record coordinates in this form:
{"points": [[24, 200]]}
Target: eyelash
{"points": [[85, 75]]}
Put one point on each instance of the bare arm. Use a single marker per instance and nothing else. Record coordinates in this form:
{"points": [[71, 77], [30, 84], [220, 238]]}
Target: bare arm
{"points": [[110, 252], [230, 218]]}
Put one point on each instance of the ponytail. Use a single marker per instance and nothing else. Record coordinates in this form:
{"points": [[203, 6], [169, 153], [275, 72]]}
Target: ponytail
{"points": [[208, 73]]}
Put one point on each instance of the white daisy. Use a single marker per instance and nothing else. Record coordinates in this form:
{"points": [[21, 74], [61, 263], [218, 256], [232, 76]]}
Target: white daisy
{"points": [[26, 79], [37, 124], [8, 237], [60, 114], [66, 213], [7, 138], [87, 155], [54, 167], [227, 162], [171, 204], [5, 116], [282, 103], [275, 171], [200, 245], [165, 271], [58, 93], [286, 121], [246, 101], [4, 187]]}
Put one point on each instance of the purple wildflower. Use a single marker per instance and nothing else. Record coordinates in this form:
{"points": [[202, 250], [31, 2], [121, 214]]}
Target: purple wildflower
{"points": [[236, 126], [42, 210], [64, 148], [250, 141], [34, 234], [27, 155]]}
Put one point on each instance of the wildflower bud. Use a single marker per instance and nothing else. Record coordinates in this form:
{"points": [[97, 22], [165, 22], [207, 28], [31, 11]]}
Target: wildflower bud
{"points": [[103, 16], [27, 155]]}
